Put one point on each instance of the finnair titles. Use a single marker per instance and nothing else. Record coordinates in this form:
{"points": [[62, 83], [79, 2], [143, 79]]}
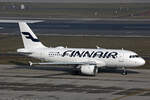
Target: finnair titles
{"points": [[93, 54], [86, 61]]}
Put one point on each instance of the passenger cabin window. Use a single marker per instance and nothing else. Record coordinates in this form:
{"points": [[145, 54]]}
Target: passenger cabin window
{"points": [[54, 54], [134, 56]]}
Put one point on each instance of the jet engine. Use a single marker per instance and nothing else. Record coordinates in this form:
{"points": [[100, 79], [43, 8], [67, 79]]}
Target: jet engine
{"points": [[89, 69]]}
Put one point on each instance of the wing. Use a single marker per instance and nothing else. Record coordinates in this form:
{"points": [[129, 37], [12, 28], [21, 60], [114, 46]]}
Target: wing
{"points": [[62, 63], [98, 64]]}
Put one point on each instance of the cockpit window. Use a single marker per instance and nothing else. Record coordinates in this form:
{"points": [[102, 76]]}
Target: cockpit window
{"points": [[134, 56]]}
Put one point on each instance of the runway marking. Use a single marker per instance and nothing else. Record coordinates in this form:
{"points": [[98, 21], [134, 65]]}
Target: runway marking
{"points": [[16, 21]]}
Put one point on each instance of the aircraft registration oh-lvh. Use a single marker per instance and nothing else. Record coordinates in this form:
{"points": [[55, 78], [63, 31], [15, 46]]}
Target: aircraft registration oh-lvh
{"points": [[86, 60]]}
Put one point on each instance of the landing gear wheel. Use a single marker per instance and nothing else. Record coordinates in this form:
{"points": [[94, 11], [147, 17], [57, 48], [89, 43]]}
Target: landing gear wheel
{"points": [[124, 71]]}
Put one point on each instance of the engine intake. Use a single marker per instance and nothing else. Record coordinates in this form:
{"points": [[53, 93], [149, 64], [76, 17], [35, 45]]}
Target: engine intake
{"points": [[89, 69]]}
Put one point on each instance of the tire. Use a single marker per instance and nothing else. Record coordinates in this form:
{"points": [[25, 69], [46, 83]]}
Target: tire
{"points": [[124, 73]]}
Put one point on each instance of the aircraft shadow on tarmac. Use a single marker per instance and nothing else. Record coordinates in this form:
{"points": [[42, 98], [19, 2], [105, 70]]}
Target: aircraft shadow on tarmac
{"points": [[68, 69], [115, 70]]}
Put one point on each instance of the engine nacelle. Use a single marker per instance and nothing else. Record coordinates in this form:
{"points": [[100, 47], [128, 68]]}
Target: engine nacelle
{"points": [[89, 69]]}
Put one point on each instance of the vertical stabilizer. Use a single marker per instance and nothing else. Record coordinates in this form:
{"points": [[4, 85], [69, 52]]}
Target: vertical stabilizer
{"points": [[29, 38]]}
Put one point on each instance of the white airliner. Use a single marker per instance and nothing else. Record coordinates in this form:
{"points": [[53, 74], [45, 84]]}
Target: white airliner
{"points": [[86, 60]]}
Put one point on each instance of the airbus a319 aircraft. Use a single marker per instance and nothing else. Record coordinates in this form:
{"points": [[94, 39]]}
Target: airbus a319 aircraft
{"points": [[86, 60]]}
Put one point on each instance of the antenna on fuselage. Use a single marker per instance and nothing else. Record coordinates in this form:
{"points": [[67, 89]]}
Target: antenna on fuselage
{"points": [[97, 47]]}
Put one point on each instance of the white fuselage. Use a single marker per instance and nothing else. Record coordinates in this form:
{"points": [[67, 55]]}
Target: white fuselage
{"points": [[102, 57]]}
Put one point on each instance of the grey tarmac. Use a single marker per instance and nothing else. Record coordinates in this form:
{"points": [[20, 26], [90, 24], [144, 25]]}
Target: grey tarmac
{"points": [[79, 1], [18, 82]]}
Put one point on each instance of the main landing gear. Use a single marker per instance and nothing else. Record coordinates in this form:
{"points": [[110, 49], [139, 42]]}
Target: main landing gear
{"points": [[124, 71]]}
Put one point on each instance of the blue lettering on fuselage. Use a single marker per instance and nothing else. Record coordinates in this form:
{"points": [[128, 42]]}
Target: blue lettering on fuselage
{"points": [[93, 54]]}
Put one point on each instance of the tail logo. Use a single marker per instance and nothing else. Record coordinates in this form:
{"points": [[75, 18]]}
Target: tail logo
{"points": [[29, 36]]}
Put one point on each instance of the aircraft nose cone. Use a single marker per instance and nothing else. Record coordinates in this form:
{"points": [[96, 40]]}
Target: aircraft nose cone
{"points": [[141, 62]]}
